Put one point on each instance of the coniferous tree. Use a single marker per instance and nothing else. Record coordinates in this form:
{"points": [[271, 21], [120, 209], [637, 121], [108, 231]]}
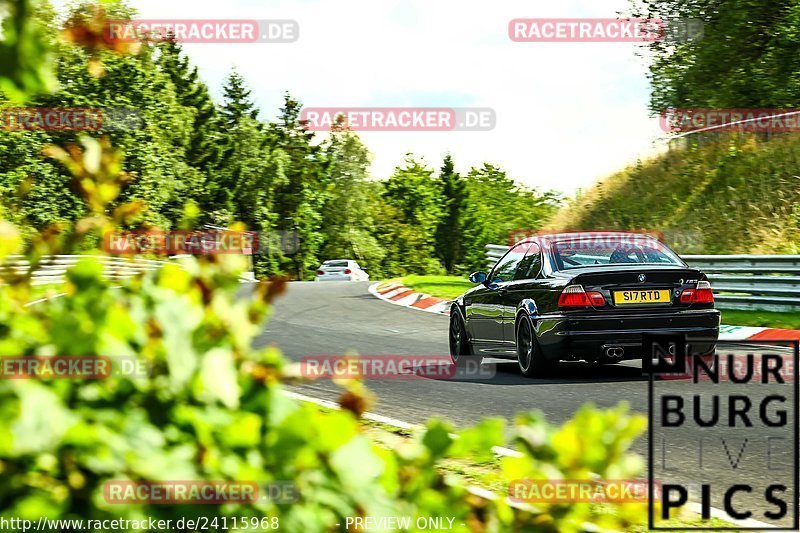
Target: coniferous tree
{"points": [[237, 102], [206, 147], [300, 199], [449, 232], [237, 113]]}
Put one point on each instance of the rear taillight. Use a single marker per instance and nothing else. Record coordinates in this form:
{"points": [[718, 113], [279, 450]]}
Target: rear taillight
{"points": [[702, 294], [576, 296], [320, 272], [597, 298], [348, 271]]}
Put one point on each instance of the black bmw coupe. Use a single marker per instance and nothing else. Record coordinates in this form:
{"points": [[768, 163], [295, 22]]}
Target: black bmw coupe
{"points": [[581, 296]]}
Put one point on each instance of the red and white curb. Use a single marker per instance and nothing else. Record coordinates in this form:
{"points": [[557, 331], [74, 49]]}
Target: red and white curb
{"points": [[398, 294], [747, 333]]}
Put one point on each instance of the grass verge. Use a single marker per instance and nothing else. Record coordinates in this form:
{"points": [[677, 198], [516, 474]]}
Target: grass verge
{"points": [[447, 287], [768, 319]]}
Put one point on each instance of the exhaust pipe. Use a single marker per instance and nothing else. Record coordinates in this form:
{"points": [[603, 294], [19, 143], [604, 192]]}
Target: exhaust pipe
{"points": [[615, 352]]}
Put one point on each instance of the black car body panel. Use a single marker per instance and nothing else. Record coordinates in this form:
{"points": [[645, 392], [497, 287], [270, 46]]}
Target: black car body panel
{"points": [[492, 309]]}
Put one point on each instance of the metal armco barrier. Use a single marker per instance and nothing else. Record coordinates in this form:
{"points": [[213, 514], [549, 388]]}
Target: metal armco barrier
{"points": [[52, 269], [766, 282], [769, 282], [493, 253]]}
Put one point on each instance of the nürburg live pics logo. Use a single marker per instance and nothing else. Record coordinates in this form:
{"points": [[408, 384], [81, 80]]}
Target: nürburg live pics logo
{"points": [[723, 433]]}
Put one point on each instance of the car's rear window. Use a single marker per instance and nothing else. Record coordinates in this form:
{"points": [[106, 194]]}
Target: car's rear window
{"points": [[335, 263], [578, 253]]}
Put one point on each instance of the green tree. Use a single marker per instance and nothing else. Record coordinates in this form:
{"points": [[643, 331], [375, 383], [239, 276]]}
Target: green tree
{"points": [[299, 199], [495, 207], [156, 145], [348, 213], [449, 236], [414, 199], [26, 49], [747, 56], [237, 102], [254, 174], [206, 144]]}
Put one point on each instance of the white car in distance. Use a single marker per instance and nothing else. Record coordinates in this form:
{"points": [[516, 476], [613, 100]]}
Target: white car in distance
{"points": [[341, 270]]}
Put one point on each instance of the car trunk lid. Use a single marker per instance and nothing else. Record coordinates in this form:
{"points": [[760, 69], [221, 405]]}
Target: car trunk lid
{"points": [[634, 288]]}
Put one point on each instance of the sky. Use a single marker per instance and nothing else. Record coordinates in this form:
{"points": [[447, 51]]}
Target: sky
{"points": [[567, 113]]}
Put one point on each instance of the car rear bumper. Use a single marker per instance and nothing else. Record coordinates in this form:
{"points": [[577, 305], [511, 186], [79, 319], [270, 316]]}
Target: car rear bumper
{"points": [[346, 277], [587, 336]]}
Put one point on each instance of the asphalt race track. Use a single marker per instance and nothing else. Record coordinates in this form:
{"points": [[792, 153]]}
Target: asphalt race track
{"points": [[336, 318]]}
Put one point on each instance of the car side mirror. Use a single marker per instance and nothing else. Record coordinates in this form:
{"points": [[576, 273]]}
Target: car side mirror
{"points": [[478, 277]]}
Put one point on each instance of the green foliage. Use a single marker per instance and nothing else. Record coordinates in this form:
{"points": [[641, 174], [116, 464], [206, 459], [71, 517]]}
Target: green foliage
{"points": [[495, 207], [275, 177], [717, 193], [238, 104], [410, 217], [207, 139], [347, 215], [591, 443], [746, 58], [213, 408], [25, 51], [300, 198], [210, 406], [449, 232]]}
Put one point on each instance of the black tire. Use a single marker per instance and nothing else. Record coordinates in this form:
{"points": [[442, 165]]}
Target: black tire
{"points": [[529, 355], [460, 349]]}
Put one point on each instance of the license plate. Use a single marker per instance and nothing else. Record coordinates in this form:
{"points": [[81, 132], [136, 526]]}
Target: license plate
{"points": [[642, 297]]}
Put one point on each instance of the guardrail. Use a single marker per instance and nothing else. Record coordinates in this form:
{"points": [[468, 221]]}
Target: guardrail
{"points": [[51, 269], [768, 282], [765, 282], [493, 253]]}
